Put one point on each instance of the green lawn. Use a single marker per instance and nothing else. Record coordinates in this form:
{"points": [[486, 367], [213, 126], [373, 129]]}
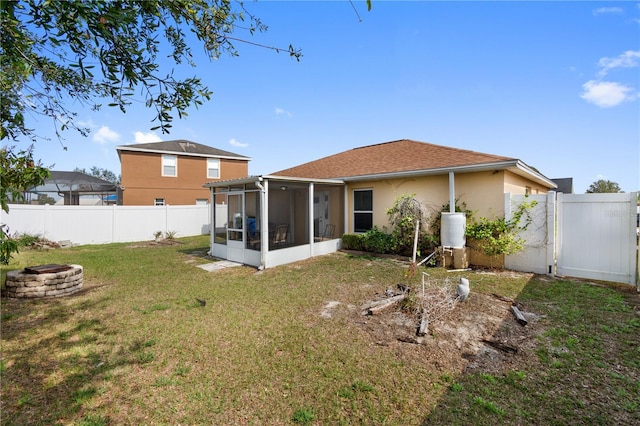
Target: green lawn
{"points": [[136, 347]]}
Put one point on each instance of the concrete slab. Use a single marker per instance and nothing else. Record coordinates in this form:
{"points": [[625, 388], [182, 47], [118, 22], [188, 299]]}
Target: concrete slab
{"points": [[216, 266]]}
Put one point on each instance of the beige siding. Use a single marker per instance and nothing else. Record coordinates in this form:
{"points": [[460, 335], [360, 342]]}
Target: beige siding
{"points": [[517, 185], [482, 192]]}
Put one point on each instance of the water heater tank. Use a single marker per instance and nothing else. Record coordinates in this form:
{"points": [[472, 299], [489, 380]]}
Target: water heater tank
{"points": [[452, 230]]}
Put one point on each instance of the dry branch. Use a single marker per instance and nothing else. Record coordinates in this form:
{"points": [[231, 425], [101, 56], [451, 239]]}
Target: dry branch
{"points": [[500, 346], [381, 305], [503, 298]]}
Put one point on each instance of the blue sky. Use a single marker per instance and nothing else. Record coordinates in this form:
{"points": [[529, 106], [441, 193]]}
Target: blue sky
{"points": [[554, 84]]}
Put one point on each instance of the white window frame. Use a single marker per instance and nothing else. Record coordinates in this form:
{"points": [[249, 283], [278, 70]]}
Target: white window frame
{"points": [[211, 162], [362, 211], [159, 202], [169, 160]]}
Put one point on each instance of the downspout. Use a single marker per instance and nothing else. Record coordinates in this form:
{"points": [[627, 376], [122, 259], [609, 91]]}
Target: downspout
{"points": [[452, 193], [263, 238]]}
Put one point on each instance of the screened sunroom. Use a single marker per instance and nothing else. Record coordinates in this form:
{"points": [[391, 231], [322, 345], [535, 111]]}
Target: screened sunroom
{"points": [[266, 221]]}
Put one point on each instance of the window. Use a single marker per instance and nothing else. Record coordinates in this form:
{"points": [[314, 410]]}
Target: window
{"points": [[362, 210], [158, 202], [213, 168], [202, 201], [169, 165]]}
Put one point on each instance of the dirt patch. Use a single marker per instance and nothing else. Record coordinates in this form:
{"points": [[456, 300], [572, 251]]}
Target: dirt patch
{"points": [[480, 333], [155, 243]]}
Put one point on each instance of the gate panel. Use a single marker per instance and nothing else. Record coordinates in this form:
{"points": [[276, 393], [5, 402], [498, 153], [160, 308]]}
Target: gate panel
{"points": [[538, 253], [597, 236]]}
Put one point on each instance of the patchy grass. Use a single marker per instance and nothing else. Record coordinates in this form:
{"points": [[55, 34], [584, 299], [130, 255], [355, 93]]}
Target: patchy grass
{"points": [[134, 346]]}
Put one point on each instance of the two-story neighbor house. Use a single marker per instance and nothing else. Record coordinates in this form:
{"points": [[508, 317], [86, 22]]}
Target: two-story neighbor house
{"points": [[172, 172]]}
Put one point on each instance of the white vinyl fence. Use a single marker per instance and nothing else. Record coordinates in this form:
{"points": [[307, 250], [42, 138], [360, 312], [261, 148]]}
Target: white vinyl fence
{"points": [[591, 236], [105, 224]]}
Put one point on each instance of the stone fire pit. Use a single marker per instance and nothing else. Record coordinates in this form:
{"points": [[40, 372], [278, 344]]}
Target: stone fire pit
{"points": [[44, 281]]}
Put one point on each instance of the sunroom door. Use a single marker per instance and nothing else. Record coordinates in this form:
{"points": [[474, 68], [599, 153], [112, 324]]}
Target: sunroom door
{"points": [[320, 212], [235, 229]]}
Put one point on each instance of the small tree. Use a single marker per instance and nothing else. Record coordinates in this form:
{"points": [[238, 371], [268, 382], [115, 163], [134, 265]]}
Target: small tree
{"points": [[18, 172], [403, 215]]}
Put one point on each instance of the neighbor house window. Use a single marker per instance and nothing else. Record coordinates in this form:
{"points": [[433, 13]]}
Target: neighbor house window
{"points": [[158, 202], [169, 165], [213, 168], [362, 210]]}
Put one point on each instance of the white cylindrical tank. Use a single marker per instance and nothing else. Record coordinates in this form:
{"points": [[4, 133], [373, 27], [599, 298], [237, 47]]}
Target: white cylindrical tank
{"points": [[452, 230]]}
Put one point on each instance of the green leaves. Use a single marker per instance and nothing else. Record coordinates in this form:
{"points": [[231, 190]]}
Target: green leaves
{"points": [[500, 236], [18, 172], [56, 51]]}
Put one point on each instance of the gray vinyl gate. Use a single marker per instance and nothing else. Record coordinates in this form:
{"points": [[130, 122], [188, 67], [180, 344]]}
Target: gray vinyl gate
{"points": [[592, 236]]}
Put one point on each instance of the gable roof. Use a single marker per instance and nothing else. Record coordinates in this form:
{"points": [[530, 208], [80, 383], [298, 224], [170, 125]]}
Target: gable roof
{"points": [[406, 157], [181, 147]]}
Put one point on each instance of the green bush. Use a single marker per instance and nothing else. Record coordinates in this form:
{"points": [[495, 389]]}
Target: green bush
{"points": [[352, 242], [378, 241], [500, 236]]}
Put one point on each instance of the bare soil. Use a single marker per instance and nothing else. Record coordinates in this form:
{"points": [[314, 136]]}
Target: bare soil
{"points": [[459, 340]]}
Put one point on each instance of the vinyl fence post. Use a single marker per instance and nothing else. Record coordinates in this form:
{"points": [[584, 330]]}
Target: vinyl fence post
{"points": [[551, 233]]}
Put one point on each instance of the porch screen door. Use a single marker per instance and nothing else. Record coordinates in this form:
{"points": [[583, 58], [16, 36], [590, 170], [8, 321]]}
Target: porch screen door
{"points": [[320, 212], [235, 228]]}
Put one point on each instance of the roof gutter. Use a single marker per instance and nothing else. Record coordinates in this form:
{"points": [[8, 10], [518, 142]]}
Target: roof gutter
{"points": [[254, 179]]}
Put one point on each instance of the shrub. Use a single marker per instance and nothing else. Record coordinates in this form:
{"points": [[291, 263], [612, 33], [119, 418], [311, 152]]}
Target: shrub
{"points": [[499, 236], [352, 242], [378, 241]]}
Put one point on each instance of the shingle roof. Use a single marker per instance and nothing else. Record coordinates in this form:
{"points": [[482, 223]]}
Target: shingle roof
{"points": [[390, 157], [181, 146]]}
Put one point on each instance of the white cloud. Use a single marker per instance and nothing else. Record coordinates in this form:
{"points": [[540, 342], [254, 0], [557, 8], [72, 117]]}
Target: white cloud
{"points": [[629, 59], [606, 94], [607, 10], [239, 144], [89, 124], [141, 137], [106, 135], [283, 113]]}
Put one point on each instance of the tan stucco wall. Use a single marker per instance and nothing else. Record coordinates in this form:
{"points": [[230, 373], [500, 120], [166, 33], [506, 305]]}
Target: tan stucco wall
{"points": [[143, 181], [517, 185], [483, 193]]}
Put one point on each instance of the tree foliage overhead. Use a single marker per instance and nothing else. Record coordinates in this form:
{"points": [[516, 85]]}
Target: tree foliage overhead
{"points": [[58, 53], [55, 55], [603, 186]]}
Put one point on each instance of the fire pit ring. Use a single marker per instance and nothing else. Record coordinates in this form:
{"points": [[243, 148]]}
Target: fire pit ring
{"points": [[44, 281]]}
